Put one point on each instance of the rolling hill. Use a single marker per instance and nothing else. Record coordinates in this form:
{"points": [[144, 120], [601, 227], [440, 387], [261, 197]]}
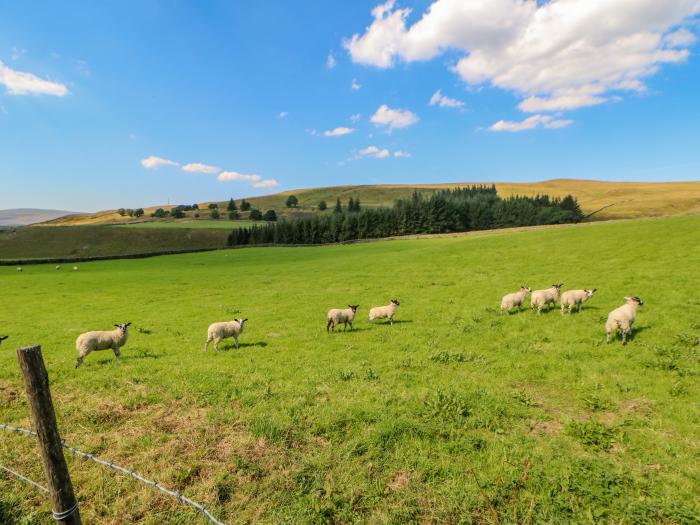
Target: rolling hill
{"points": [[615, 200], [26, 216]]}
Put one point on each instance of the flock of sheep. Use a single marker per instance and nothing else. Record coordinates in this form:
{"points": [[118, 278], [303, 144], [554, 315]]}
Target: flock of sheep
{"points": [[620, 319]]}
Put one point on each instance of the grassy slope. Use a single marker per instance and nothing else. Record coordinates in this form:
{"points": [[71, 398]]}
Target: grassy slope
{"points": [[629, 199], [221, 224], [455, 413], [83, 241]]}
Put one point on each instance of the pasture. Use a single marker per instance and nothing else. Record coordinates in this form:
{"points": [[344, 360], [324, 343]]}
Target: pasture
{"points": [[455, 414]]}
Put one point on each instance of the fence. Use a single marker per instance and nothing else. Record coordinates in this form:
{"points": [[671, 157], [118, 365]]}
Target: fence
{"points": [[65, 507]]}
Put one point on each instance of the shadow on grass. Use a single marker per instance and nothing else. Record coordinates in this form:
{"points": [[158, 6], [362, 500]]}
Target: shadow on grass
{"points": [[340, 331], [396, 321], [232, 346]]}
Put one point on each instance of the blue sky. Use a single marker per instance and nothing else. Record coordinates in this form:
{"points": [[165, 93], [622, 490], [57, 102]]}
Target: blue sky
{"points": [[89, 91]]}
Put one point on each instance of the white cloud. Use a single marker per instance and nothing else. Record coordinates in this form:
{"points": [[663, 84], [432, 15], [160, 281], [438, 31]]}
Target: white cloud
{"points": [[16, 53], [355, 85], [355, 118], [394, 118], [226, 176], [401, 154], [283, 114], [198, 167], [330, 61], [153, 162], [556, 54], [373, 151], [338, 132], [535, 121], [438, 99], [21, 83], [266, 183]]}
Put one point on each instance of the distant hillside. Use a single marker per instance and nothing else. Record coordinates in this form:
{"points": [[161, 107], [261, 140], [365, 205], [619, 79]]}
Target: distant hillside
{"points": [[25, 216], [615, 200]]}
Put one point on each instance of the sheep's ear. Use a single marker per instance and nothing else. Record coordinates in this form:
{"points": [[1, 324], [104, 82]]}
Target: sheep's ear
{"points": [[244, 320], [116, 325], [128, 324]]}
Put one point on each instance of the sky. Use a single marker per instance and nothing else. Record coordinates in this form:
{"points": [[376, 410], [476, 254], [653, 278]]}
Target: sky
{"points": [[145, 102]]}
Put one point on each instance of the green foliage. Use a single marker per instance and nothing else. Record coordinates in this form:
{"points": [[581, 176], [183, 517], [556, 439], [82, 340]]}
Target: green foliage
{"points": [[121, 211], [245, 205], [292, 202], [593, 434], [322, 205], [160, 213], [214, 213], [255, 215], [233, 215], [213, 206], [463, 209], [270, 216], [231, 205]]}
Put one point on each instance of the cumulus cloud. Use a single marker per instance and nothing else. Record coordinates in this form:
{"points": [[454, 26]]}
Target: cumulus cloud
{"points": [[438, 99], [338, 132], [22, 83], [535, 121], [393, 118], [401, 154], [153, 162], [198, 167], [266, 183], [330, 61], [555, 55], [373, 151], [225, 176], [355, 85]]}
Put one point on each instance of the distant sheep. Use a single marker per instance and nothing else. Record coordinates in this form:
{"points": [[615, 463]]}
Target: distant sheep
{"points": [[623, 318], [58, 266], [540, 298], [3, 337], [101, 340], [75, 268], [575, 298], [218, 331], [19, 268], [514, 299], [345, 316], [384, 312]]}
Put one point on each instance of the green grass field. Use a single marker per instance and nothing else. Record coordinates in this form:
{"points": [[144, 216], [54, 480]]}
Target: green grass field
{"points": [[453, 415], [193, 225]]}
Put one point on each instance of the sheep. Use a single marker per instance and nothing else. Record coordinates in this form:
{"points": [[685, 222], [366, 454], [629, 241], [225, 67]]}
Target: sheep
{"points": [[383, 312], [101, 340], [19, 268], [622, 318], [514, 299], [3, 337], [575, 298], [337, 316], [539, 298], [58, 266], [75, 268], [218, 331]]}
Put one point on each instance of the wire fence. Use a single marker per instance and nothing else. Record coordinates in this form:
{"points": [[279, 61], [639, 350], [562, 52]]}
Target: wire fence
{"points": [[180, 497]]}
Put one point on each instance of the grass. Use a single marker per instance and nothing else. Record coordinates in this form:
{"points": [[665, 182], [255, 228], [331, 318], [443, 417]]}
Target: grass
{"points": [[621, 200], [453, 415], [85, 241]]}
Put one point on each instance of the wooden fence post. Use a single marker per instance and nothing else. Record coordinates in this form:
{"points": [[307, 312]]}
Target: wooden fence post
{"points": [[36, 379]]}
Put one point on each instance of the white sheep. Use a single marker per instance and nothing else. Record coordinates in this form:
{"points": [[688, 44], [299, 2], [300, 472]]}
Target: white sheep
{"points": [[58, 266], [3, 337], [539, 298], [75, 268], [575, 298], [19, 268], [218, 331], [514, 299], [384, 312], [101, 340], [623, 318], [345, 316]]}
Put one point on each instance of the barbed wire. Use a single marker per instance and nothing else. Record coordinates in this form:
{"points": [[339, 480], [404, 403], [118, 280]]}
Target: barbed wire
{"points": [[181, 498]]}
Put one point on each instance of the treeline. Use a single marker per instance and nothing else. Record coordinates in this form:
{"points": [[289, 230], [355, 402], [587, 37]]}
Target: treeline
{"points": [[458, 210]]}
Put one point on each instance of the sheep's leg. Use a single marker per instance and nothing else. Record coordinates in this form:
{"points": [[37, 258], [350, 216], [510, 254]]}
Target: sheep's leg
{"points": [[391, 321], [328, 325], [216, 343], [562, 309], [236, 341], [206, 345], [117, 353], [79, 361], [351, 329], [624, 337]]}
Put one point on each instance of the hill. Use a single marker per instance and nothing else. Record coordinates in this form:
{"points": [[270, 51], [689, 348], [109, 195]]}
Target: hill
{"points": [[26, 216], [617, 200], [455, 414]]}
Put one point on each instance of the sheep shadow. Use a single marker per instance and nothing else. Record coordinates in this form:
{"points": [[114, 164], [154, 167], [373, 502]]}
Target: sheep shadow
{"points": [[142, 354], [232, 346], [396, 321], [340, 330]]}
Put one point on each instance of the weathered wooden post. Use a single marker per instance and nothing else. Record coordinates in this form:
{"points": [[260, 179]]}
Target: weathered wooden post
{"points": [[36, 379]]}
